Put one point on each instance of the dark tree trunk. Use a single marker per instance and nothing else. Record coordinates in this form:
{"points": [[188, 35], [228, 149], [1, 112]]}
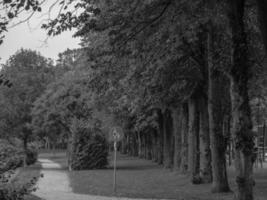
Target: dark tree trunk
{"points": [[262, 19], [132, 144], [143, 145], [123, 145], [135, 144], [205, 153], [160, 138], [218, 141], [25, 143], [177, 119], [215, 107], [129, 143], [139, 141], [193, 140], [148, 143], [242, 124], [154, 145], [184, 139], [167, 148]]}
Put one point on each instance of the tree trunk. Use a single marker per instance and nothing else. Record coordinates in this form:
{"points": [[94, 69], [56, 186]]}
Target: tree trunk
{"points": [[139, 144], [177, 115], [25, 147], [135, 144], [25, 143], [123, 145], [154, 145], [204, 144], [215, 106], [241, 113], [128, 144], [160, 138], [167, 148], [218, 141], [227, 134], [184, 139], [262, 19], [193, 141], [148, 143], [69, 152]]}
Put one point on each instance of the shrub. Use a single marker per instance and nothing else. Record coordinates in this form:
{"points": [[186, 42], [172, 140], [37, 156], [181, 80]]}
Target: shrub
{"points": [[31, 155], [10, 157], [9, 192], [89, 149]]}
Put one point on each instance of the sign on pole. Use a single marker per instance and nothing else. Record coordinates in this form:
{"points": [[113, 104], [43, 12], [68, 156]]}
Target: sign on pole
{"points": [[116, 134]]}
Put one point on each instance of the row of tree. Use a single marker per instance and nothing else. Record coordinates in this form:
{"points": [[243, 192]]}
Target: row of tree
{"points": [[167, 58], [180, 77]]}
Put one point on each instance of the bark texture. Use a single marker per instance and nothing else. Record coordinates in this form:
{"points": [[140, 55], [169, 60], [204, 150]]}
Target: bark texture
{"points": [[184, 139], [160, 138], [193, 141], [262, 18], [176, 115], [241, 113], [204, 145], [167, 147], [215, 108]]}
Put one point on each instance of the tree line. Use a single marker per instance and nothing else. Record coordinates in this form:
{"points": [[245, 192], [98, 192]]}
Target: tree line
{"points": [[180, 77]]}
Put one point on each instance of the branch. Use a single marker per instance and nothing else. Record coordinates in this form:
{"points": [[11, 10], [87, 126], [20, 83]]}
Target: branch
{"points": [[147, 23]]}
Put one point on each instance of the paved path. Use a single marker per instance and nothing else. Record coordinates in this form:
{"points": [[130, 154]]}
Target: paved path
{"points": [[55, 185]]}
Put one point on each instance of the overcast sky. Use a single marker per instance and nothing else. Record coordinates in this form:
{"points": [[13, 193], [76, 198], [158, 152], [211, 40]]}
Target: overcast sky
{"points": [[31, 36]]}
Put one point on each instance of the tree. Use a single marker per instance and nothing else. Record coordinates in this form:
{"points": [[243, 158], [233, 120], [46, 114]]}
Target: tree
{"points": [[30, 73], [262, 18], [241, 113], [156, 43]]}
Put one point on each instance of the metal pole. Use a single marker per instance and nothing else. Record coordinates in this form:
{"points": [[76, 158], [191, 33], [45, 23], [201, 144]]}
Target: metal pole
{"points": [[115, 160], [263, 144]]}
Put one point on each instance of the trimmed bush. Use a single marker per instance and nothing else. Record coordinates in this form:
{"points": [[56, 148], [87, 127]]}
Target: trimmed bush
{"points": [[89, 149]]}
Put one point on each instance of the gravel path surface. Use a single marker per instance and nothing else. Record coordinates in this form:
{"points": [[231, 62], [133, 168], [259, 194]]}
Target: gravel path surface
{"points": [[55, 185]]}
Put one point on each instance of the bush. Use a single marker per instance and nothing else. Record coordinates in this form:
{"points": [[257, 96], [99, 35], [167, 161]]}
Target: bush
{"points": [[31, 155], [10, 192], [10, 157], [89, 149]]}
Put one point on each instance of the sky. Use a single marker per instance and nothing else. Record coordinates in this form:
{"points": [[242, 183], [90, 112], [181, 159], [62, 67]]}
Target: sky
{"points": [[31, 36]]}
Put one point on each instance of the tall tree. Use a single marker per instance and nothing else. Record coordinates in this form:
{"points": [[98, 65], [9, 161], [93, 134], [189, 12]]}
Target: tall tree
{"points": [[30, 73], [242, 124], [262, 18]]}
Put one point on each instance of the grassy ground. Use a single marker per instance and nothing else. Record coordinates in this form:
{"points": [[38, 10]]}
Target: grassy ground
{"points": [[25, 175], [139, 178]]}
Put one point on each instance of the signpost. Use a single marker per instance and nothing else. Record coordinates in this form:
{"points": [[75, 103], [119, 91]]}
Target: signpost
{"points": [[116, 135]]}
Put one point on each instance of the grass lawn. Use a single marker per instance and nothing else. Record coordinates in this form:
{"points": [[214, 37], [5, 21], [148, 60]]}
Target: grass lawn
{"points": [[140, 178], [24, 176]]}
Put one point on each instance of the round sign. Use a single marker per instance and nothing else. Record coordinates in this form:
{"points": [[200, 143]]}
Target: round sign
{"points": [[116, 134]]}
